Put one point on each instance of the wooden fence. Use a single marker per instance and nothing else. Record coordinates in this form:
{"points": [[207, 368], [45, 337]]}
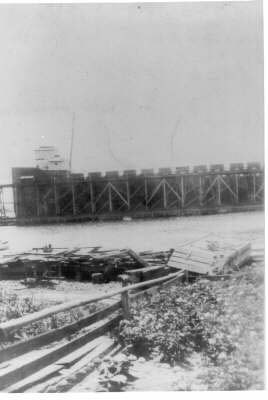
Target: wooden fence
{"points": [[24, 359]]}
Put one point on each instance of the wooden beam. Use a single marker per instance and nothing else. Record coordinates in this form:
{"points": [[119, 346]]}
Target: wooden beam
{"points": [[190, 266], [64, 194], [254, 187], [37, 201], [182, 192], [125, 305], [156, 190], [119, 194], [14, 373], [55, 197], [143, 274], [103, 206], [172, 189], [47, 194], [136, 191], [138, 258], [210, 187], [41, 380], [73, 199], [200, 191], [180, 257], [128, 194], [237, 187], [260, 190], [191, 201], [164, 193], [172, 203], [101, 193], [218, 191], [146, 192], [110, 197], [91, 191], [228, 187], [19, 348]]}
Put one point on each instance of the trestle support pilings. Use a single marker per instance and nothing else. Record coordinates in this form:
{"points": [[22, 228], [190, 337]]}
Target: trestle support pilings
{"points": [[47, 196]]}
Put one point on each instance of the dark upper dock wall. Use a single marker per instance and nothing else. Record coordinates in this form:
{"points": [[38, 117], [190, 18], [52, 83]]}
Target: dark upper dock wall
{"points": [[41, 195]]}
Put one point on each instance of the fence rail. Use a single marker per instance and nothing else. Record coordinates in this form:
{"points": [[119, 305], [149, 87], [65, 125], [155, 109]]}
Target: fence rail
{"points": [[15, 324], [23, 359]]}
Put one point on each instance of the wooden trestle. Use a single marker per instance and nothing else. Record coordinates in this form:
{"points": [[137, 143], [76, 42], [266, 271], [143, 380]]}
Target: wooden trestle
{"points": [[47, 196]]}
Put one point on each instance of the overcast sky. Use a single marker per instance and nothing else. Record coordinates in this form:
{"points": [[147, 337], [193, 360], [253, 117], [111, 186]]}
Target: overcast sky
{"points": [[153, 85]]}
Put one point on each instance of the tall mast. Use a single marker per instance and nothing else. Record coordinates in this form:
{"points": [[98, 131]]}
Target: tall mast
{"points": [[71, 147]]}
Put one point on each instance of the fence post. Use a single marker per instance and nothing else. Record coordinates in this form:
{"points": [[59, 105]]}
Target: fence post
{"points": [[125, 304]]}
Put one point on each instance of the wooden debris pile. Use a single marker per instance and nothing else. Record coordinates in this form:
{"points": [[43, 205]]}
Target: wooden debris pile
{"points": [[209, 257]]}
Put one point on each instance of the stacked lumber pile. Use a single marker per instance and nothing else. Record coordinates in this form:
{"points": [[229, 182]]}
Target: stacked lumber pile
{"points": [[211, 257]]}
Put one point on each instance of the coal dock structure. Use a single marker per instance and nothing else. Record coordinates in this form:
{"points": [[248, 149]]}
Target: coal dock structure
{"points": [[58, 196]]}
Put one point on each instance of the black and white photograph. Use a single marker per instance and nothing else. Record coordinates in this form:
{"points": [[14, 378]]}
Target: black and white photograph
{"points": [[132, 197]]}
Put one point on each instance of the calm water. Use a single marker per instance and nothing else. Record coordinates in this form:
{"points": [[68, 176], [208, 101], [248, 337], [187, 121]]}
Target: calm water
{"points": [[140, 235]]}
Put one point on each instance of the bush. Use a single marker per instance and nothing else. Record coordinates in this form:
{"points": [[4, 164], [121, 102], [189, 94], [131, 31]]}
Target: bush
{"points": [[231, 375], [173, 325], [221, 320], [114, 374]]}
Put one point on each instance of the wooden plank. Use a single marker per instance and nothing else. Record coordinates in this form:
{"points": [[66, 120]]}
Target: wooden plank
{"points": [[191, 258], [74, 356], [125, 305], [12, 374], [89, 366], [143, 272], [140, 270], [138, 258], [202, 254], [24, 384], [50, 374], [51, 370], [186, 252], [193, 267], [190, 250], [17, 323], [72, 376], [177, 261], [195, 257], [17, 349], [186, 263]]}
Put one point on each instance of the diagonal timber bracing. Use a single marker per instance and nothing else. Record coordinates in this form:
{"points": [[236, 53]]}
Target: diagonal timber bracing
{"points": [[41, 195]]}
